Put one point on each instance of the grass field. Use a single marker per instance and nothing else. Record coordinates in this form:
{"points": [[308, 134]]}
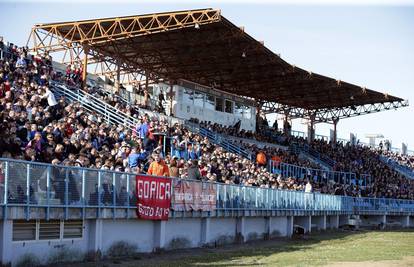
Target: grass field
{"points": [[363, 248]]}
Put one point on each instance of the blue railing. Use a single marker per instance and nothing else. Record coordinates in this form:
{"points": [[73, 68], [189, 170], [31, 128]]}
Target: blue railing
{"points": [[318, 175], [219, 140], [406, 171], [30, 184], [321, 158]]}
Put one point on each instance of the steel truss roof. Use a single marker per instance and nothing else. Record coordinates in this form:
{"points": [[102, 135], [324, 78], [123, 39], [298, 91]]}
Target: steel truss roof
{"points": [[204, 47]]}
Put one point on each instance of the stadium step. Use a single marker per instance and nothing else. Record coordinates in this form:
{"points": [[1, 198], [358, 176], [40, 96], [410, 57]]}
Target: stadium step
{"points": [[218, 139], [404, 170], [312, 155], [93, 105]]}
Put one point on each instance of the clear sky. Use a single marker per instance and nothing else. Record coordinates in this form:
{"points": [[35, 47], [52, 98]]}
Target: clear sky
{"points": [[369, 44]]}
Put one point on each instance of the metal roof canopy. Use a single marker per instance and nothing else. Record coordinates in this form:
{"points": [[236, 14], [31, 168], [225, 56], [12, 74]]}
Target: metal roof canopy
{"points": [[204, 47]]}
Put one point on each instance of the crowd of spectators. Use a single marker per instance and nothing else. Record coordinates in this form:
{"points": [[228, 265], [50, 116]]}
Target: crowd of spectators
{"points": [[358, 159], [38, 127], [403, 160]]}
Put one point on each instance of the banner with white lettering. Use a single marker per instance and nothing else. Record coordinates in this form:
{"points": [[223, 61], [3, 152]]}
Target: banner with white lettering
{"points": [[153, 197], [194, 196]]}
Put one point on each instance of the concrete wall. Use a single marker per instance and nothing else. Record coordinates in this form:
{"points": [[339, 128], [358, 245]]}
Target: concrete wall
{"points": [[43, 249], [332, 221], [183, 232], [222, 230], [280, 226], [100, 234], [138, 232], [254, 228]]}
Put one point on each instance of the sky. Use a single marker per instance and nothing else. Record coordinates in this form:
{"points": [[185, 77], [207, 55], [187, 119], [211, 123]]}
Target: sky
{"points": [[369, 43]]}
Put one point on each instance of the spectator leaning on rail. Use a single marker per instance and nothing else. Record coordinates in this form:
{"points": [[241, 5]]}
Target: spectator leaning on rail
{"points": [[261, 159], [158, 167]]}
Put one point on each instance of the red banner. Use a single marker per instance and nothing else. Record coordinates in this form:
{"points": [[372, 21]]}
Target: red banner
{"points": [[153, 197], [194, 196]]}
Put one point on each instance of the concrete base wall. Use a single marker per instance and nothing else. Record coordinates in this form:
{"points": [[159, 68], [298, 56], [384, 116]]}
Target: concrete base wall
{"points": [[303, 221], [147, 236], [343, 220], [376, 221], [398, 221], [332, 221], [319, 223]]}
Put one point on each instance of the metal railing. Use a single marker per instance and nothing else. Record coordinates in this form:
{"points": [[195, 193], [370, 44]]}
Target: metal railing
{"points": [[404, 170], [94, 105], [219, 139], [314, 154], [318, 175], [124, 97], [30, 184]]}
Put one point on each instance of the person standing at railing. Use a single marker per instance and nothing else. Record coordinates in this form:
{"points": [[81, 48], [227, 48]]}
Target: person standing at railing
{"points": [[158, 167], [261, 159]]}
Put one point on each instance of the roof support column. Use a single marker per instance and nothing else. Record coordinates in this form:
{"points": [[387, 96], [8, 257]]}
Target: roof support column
{"points": [[85, 65], [146, 81], [118, 79], [335, 134], [311, 127], [171, 95], [286, 126]]}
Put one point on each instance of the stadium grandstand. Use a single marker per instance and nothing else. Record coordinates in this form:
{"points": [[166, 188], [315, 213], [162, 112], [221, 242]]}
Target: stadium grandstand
{"points": [[155, 123]]}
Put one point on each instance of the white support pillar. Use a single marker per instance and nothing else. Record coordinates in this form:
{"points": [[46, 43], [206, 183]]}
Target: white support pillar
{"points": [[384, 220], [95, 235], [159, 234], [205, 231], [308, 222], [240, 229], [267, 230], [406, 221], [6, 249], [289, 229]]}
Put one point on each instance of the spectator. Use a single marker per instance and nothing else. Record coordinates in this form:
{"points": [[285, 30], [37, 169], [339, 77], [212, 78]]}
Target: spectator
{"points": [[158, 167]]}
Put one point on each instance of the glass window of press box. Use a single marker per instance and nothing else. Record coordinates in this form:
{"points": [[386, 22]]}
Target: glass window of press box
{"points": [[188, 97], [229, 106], [219, 104], [242, 111], [210, 102]]}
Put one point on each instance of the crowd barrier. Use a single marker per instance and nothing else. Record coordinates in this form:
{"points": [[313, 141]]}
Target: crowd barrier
{"points": [[31, 184], [318, 175]]}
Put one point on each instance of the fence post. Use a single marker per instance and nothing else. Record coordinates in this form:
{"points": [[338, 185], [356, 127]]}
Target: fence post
{"points": [[28, 184], [114, 189], [99, 191], [67, 187], [6, 183], [48, 191], [83, 188]]}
